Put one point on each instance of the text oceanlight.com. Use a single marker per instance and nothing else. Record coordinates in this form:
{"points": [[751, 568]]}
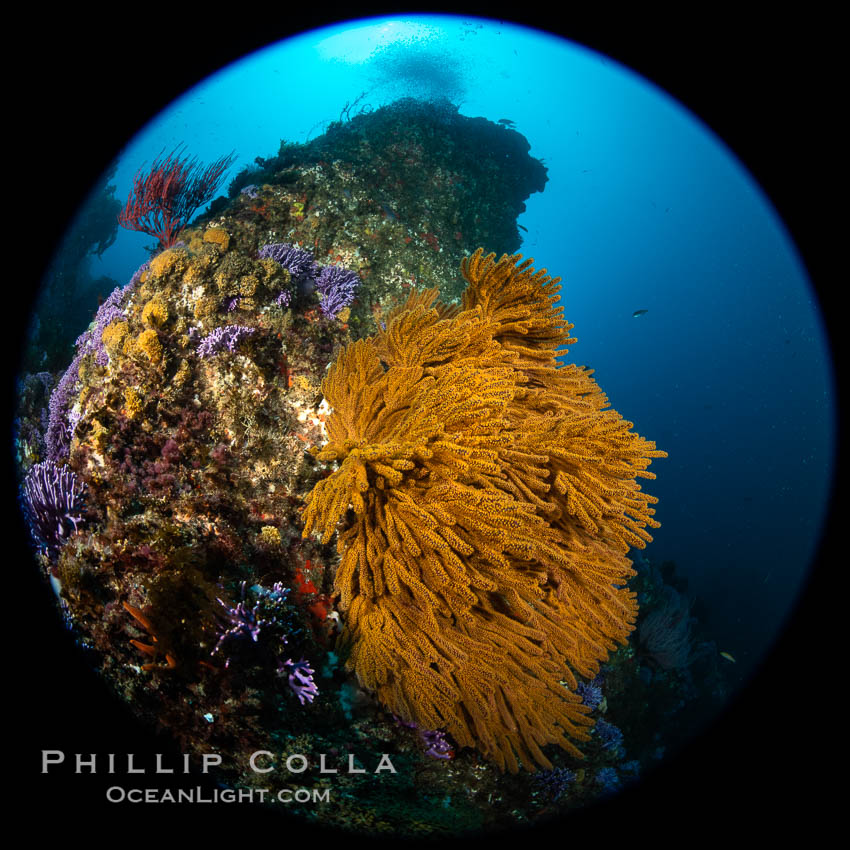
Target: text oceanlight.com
{"points": [[117, 794]]}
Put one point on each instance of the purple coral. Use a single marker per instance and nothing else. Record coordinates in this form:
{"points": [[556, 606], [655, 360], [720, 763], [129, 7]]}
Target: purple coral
{"points": [[553, 784], [337, 287], [92, 339], [591, 692], [610, 736], [137, 275], [297, 261], [436, 744], [52, 498], [300, 677], [241, 622], [242, 626], [226, 337], [111, 310], [609, 780], [61, 421]]}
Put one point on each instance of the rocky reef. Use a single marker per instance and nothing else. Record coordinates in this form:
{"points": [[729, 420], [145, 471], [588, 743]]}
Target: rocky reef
{"points": [[165, 472]]}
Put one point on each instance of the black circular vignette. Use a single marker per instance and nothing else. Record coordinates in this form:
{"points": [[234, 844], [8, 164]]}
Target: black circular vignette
{"points": [[87, 88]]}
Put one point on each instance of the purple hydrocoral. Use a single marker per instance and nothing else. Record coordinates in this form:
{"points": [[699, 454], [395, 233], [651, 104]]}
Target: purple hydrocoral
{"points": [[337, 287], [92, 339], [52, 497], [553, 784], [228, 336], [138, 274], [609, 780], [591, 692], [610, 735], [300, 677], [436, 744], [111, 309], [241, 622], [297, 261], [61, 422]]}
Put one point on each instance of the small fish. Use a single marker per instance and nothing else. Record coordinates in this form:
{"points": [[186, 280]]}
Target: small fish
{"points": [[506, 122], [728, 657], [522, 228], [638, 313]]}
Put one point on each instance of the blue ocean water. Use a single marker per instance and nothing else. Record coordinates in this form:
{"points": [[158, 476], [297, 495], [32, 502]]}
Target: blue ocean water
{"points": [[728, 369]]}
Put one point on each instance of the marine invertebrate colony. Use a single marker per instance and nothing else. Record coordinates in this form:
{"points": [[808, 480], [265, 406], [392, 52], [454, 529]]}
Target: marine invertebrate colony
{"points": [[225, 337], [52, 497], [164, 199], [337, 287], [297, 261], [494, 500]]}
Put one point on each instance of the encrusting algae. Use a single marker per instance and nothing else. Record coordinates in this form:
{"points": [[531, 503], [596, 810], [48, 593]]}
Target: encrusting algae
{"points": [[495, 498]]}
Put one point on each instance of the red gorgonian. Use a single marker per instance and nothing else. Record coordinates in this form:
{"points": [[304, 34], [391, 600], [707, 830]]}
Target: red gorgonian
{"points": [[164, 199]]}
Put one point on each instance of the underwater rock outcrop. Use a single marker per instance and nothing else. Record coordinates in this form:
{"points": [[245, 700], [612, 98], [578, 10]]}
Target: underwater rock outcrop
{"points": [[400, 194], [178, 466]]}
